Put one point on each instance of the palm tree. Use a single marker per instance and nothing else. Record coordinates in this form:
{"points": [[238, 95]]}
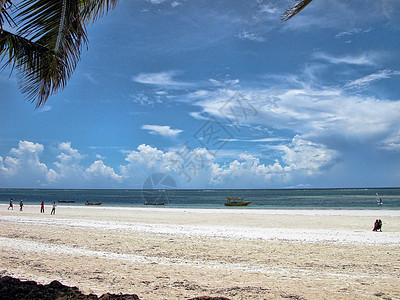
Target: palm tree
{"points": [[49, 34], [46, 45], [292, 11]]}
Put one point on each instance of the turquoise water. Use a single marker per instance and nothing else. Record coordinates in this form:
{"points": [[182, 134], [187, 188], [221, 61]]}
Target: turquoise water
{"points": [[260, 199]]}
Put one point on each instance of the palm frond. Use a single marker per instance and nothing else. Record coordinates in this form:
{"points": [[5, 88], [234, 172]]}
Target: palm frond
{"points": [[5, 5], [56, 26], [48, 43], [41, 71], [292, 11], [94, 9]]}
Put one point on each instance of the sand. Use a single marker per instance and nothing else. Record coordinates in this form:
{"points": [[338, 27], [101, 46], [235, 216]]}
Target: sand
{"points": [[165, 253]]}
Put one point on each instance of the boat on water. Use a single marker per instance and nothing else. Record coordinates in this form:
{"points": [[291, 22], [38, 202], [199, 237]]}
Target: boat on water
{"points": [[232, 201], [92, 203], [154, 203], [66, 201]]}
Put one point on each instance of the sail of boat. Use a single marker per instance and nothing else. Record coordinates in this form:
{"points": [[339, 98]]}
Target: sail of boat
{"points": [[378, 200]]}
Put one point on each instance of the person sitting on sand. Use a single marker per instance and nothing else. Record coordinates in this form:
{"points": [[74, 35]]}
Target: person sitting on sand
{"points": [[377, 225]]}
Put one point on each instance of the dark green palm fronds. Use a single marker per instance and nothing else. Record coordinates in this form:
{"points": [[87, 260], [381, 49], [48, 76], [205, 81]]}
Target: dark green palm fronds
{"points": [[292, 11], [5, 5], [41, 71], [91, 10], [56, 27], [48, 42]]}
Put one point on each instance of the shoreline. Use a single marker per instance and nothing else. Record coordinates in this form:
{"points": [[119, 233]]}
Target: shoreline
{"points": [[257, 211], [160, 253]]}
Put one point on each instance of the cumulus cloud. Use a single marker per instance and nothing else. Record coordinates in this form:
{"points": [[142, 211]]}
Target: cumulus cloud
{"points": [[23, 167], [300, 158], [162, 130], [98, 174], [190, 168]]}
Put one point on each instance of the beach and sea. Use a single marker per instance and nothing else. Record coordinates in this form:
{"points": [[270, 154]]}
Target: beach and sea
{"points": [[286, 244]]}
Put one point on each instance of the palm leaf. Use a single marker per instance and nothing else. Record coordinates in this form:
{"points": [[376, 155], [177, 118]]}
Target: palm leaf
{"points": [[91, 10], [56, 26], [4, 15], [292, 11], [47, 45], [41, 71]]}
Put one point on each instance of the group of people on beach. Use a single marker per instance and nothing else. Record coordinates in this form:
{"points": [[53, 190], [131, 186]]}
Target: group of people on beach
{"points": [[11, 205], [21, 205]]}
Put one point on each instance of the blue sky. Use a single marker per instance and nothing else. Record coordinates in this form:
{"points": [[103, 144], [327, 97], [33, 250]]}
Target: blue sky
{"points": [[218, 94]]}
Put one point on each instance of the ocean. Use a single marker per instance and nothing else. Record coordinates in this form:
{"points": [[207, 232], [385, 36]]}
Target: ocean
{"points": [[358, 199]]}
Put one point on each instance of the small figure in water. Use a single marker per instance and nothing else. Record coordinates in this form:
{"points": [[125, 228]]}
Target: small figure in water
{"points": [[53, 210], [11, 205], [377, 225], [42, 207], [21, 205]]}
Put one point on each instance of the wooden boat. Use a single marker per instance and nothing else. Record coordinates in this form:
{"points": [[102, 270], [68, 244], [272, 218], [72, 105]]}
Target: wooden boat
{"points": [[66, 201], [231, 201], [92, 203], [154, 203]]}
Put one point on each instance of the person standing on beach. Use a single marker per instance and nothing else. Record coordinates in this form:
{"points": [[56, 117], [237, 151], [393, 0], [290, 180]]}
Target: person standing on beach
{"points": [[21, 205], [53, 210], [42, 207], [11, 205]]}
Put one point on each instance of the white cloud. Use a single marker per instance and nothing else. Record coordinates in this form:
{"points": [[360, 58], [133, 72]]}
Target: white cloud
{"points": [[369, 59], [352, 32], [317, 115], [198, 168], [392, 142], [383, 74], [306, 156], [268, 8], [156, 1], [162, 130], [300, 158], [244, 35], [165, 79], [23, 168], [175, 3], [98, 170], [262, 140], [145, 99]]}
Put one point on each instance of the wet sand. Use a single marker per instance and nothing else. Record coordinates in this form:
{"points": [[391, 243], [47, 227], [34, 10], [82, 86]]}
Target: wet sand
{"points": [[163, 253]]}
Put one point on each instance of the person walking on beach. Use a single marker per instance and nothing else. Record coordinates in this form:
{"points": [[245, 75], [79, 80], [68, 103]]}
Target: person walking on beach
{"points": [[42, 207], [53, 210], [11, 205], [21, 205]]}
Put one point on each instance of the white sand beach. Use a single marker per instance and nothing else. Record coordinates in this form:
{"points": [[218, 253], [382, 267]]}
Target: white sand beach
{"points": [[165, 253]]}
